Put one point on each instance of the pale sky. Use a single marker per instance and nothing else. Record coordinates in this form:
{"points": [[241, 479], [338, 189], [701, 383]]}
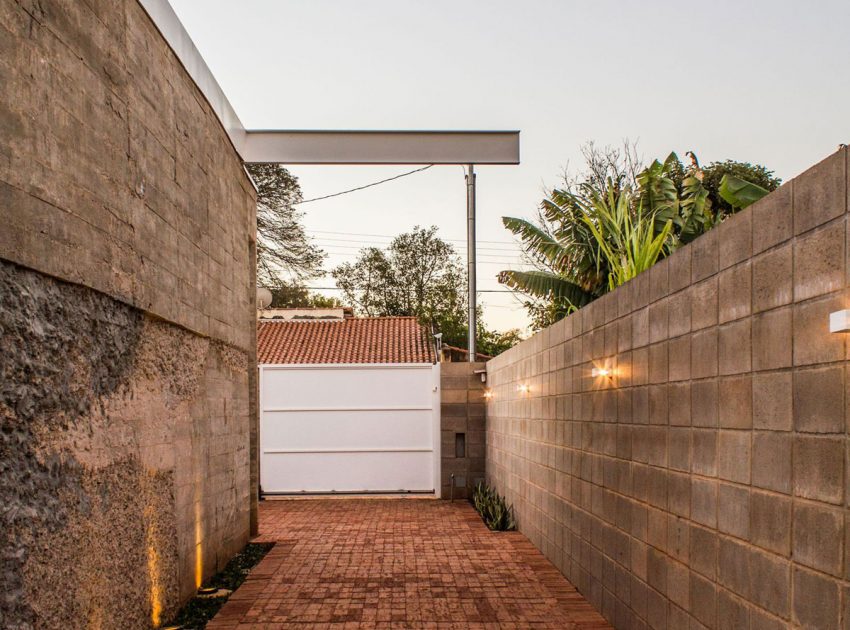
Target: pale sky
{"points": [[764, 81]]}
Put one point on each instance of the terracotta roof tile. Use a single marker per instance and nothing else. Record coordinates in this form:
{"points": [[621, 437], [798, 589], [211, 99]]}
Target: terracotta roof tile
{"points": [[353, 340]]}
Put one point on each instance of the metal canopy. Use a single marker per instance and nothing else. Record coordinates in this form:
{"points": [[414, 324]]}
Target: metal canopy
{"points": [[381, 147]]}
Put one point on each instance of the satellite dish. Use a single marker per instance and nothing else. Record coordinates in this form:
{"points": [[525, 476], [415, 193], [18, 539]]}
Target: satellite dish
{"points": [[264, 298]]}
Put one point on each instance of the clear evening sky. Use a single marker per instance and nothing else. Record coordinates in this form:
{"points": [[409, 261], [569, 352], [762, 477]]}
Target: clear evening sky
{"points": [[761, 81]]}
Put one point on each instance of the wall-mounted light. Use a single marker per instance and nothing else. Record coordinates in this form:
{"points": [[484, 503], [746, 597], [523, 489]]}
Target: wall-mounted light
{"points": [[839, 321], [601, 371], [487, 394], [522, 389]]}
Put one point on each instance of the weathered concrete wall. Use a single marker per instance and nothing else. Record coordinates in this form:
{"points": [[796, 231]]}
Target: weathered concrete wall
{"points": [[705, 484], [126, 322], [462, 427]]}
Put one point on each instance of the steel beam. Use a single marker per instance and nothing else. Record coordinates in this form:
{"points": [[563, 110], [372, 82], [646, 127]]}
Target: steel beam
{"points": [[381, 147]]}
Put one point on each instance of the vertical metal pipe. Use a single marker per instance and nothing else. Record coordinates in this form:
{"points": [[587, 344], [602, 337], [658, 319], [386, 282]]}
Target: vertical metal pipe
{"points": [[470, 253]]}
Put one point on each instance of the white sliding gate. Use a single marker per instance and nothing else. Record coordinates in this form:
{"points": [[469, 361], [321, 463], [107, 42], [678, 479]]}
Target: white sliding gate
{"points": [[350, 428]]}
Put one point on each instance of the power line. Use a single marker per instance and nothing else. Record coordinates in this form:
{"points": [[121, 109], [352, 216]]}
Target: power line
{"points": [[334, 243], [390, 236], [479, 290], [345, 192]]}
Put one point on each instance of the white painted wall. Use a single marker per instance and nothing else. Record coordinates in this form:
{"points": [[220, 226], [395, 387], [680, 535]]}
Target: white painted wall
{"points": [[350, 428]]}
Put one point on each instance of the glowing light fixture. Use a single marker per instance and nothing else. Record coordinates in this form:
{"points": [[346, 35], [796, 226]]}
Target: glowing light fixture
{"points": [[601, 371], [488, 394], [207, 590], [522, 389], [839, 321]]}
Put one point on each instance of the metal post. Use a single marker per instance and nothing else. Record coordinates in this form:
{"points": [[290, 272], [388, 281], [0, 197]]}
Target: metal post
{"points": [[470, 253]]}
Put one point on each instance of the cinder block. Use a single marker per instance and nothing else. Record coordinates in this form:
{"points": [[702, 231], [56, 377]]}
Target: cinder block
{"points": [[770, 522], [658, 286], [813, 343], [703, 597], [704, 309], [820, 193], [771, 338], [735, 292], [704, 258], [819, 400], [703, 551], [704, 502], [679, 358], [679, 403], [704, 403], [816, 600], [774, 219], [640, 327], [736, 402], [679, 494], [734, 238], [679, 448], [771, 468], [771, 581], [704, 353], [678, 586], [772, 407], [734, 567], [704, 443], [658, 363], [819, 468], [732, 612], [733, 510], [735, 347], [679, 269], [819, 262], [733, 456], [679, 313], [773, 279], [817, 537]]}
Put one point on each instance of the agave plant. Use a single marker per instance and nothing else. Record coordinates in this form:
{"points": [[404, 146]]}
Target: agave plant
{"points": [[494, 511], [602, 239]]}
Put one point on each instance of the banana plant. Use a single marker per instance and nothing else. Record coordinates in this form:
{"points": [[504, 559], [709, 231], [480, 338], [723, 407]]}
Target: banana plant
{"points": [[740, 193]]}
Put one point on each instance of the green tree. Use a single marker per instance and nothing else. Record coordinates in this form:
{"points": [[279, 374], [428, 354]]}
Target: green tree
{"points": [[284, 251], [290, 295], [419, 275]]}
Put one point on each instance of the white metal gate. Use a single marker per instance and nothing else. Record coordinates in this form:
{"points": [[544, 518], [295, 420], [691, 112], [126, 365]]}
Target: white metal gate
{"points": [[350, 428]]}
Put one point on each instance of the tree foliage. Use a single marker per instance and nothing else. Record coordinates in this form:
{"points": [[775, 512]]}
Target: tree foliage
{"points": [[284, 251], [418, 275], [290, 295], [599, 230]]}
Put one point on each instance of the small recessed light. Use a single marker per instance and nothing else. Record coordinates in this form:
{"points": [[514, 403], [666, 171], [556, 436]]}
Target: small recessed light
{"points": [[597, 371], [488, 394], [839, 321], [522, 389]]}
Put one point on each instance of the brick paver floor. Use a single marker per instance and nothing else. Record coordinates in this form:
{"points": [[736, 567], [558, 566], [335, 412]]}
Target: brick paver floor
{"points": [[398, 563]]}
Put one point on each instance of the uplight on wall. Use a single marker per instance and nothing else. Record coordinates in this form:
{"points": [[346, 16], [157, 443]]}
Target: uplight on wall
{"points": [[487, 394], [839, 321], [597, 371], [522, 389]]}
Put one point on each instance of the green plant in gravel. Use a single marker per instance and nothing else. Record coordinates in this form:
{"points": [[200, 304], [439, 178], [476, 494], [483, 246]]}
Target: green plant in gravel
{"points": [[199, 610], [495, 512]]}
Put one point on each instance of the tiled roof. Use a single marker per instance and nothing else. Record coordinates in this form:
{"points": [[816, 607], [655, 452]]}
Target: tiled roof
{"points": [[352, 340]]}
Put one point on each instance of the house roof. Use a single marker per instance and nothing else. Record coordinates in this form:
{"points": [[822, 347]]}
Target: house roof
{"points": [[357, 340]]}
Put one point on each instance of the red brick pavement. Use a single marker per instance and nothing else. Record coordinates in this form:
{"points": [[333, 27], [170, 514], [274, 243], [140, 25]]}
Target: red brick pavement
{"points": [[398, 563]]}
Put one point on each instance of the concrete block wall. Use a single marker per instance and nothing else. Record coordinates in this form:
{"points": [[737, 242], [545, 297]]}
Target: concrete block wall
{"points": [[462, 427], [704, 485], [127, 333]]}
